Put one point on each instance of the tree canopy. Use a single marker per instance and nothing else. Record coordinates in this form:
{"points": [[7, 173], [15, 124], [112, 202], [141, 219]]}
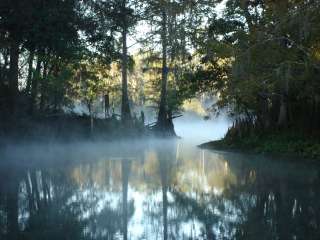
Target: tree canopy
{"points": [[259, 58]]}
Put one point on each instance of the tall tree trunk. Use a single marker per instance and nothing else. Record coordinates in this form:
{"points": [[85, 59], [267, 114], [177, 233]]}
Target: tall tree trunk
{"points": [[244, 5], [315, 115], [281, 10], [125, 107], [34, 86], [283, 112], [3, 67], [44, 84], [106, 105], [265, 118], [55, 73], [14, 73], [162, 115], [30, 69]]}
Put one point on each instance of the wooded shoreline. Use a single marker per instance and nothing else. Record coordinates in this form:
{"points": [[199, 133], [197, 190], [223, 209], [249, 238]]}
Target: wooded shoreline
{"points": [[75, 128], [257, 61], [295, 147]]}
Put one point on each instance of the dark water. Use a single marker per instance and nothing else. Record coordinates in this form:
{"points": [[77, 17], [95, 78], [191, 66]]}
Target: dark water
{"points": [[154, 190]]}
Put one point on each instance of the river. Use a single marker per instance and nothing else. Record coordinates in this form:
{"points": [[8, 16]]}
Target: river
{"points": [[155, 189]]}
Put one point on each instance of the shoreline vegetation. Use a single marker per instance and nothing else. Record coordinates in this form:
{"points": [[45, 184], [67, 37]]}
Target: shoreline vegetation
{"points": [[257, 61], [276, 143], [70, 127], [74, 127]]}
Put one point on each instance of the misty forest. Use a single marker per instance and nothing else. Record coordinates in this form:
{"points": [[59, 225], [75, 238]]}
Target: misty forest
{"points": [[159, 119]]}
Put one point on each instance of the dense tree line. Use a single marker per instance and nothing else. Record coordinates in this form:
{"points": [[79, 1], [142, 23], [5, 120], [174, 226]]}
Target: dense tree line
{"points": [[47, 46], [53, 52], [262, 59]]}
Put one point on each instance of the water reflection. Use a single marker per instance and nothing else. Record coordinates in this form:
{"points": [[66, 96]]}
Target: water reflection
{"points": [[156, 190]]}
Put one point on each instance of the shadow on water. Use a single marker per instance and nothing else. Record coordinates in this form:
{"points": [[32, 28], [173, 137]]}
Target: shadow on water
{"points": [[159, 189]]}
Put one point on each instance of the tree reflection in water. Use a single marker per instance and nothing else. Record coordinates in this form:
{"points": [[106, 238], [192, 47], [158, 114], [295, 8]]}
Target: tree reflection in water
{"points": [[38, 206], [160, 190]]}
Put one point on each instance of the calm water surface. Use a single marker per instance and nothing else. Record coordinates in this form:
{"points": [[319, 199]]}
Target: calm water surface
{"points": [[155, 189]]}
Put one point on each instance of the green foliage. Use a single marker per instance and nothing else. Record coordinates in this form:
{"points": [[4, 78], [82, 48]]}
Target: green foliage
{"points": [[262, 59], [271, 143]]}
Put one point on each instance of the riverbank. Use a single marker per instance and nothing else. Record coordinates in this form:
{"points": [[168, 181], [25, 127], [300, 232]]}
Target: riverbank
{"points": [[68, 127], [65, 128], [283, 144]]}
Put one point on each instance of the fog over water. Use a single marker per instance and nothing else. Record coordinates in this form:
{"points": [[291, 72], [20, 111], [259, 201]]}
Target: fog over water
{"points": [[197, 130], [155, 189], [191, 128]]}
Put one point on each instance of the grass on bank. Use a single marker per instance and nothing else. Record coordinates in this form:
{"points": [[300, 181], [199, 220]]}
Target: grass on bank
{"points": [[276, 143]]}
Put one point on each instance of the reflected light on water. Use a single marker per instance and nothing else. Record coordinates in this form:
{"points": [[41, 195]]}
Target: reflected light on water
{"points": [[154, 189]]}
